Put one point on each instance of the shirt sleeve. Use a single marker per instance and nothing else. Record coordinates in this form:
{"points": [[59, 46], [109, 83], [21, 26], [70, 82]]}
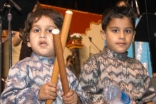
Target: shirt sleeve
{"points": [[74, 85], [17, 85], [89, 81], [149, 94]]}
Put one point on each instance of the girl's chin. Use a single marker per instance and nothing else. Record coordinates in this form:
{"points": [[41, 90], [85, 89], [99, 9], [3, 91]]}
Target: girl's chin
{"points": [[120, 51]]}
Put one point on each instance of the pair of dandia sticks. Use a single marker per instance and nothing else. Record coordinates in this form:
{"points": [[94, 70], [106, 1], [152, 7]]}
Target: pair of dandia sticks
{"points": [[59, 44]]}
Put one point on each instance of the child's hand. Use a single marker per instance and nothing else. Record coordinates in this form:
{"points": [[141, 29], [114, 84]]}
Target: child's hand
{"points": [[133, 102], [48, 91], [70, 98]]}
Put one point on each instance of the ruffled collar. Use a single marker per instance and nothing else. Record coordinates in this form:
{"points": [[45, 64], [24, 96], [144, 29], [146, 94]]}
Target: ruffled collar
{"points": [[45, 60], [112, 54]]}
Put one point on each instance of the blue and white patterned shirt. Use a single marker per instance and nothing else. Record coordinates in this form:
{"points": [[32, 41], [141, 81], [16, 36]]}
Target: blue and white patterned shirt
{"points": [[27, 76]]}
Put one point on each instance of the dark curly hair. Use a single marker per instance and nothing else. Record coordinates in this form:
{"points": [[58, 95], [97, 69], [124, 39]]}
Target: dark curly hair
{"points": [[35, 16], [118, 12]]}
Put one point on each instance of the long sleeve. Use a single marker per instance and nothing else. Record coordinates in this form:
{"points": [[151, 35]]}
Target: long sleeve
{"points": [[17, 85], [89, 81], [74, 85], [149, 94]]}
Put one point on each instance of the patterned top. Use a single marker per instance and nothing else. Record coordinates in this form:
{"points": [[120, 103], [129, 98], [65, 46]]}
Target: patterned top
{"points": [[106, 68], [26, 77]]}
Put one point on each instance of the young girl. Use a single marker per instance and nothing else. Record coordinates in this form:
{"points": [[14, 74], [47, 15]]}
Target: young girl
{"points": [[112, 66], [28, 81]]}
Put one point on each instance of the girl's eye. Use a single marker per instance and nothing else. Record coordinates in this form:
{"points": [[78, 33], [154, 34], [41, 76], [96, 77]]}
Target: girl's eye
{"points": [[128, 31], [36, 30], [115, 31], [49, 31]]}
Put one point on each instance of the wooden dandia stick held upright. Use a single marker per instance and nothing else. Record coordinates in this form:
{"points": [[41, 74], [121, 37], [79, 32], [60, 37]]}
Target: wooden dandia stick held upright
{"points": [[61, 63], [64, 35]]}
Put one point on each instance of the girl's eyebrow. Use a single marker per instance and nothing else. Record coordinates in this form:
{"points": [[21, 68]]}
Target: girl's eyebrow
{"points": [[125, 28], [114, 27], [129, 28], [46, 26]]}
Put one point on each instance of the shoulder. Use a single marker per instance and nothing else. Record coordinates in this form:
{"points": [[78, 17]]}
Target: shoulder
{"points": [[91, 65], [135, 62], [19, 69], [23, 65], [95, 58], [22, 62], [136, 65]]}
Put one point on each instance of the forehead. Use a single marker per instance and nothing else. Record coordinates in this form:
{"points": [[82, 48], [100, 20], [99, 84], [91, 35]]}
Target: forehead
{"points": [[120, 22], [43, 20]]}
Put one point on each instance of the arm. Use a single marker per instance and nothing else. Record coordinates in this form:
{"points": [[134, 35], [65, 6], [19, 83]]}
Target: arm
{"points": [[16, 40], [149, 95], [18, 88], [89, 79]]}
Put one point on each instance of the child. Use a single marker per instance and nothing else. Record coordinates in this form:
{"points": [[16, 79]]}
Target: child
{"points": [[113, 66], [28, 81]]}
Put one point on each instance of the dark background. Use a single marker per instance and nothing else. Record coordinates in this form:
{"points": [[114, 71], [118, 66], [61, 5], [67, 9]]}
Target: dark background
{"points": [[98, 6]]}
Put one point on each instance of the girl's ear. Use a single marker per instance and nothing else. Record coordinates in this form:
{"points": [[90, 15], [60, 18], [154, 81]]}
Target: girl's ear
{"points": [[103, 34], [28, 43]]}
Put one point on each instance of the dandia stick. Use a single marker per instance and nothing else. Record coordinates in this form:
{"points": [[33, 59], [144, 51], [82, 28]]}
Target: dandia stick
{"points": [[61, 63], [63, 35]]}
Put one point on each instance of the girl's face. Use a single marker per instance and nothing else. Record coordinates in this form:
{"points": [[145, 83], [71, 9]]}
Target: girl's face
{"points": [[119, 34], [41, 38]]}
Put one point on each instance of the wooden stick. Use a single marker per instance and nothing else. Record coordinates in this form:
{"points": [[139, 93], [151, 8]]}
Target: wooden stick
{"points": [[64, 35], [61, 63]]}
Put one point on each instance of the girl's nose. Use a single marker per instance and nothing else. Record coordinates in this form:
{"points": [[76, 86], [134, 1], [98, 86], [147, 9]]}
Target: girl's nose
{"points": [[121, 35], [43, 35]]}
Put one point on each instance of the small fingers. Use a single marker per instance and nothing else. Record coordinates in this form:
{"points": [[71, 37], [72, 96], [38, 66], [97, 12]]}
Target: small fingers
{"points": [[69, 94], [48, 91], [50, 84], [70, 97]]}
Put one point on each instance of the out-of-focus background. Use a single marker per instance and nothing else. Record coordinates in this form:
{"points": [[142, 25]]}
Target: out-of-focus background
{"points": [[97, 6]]}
